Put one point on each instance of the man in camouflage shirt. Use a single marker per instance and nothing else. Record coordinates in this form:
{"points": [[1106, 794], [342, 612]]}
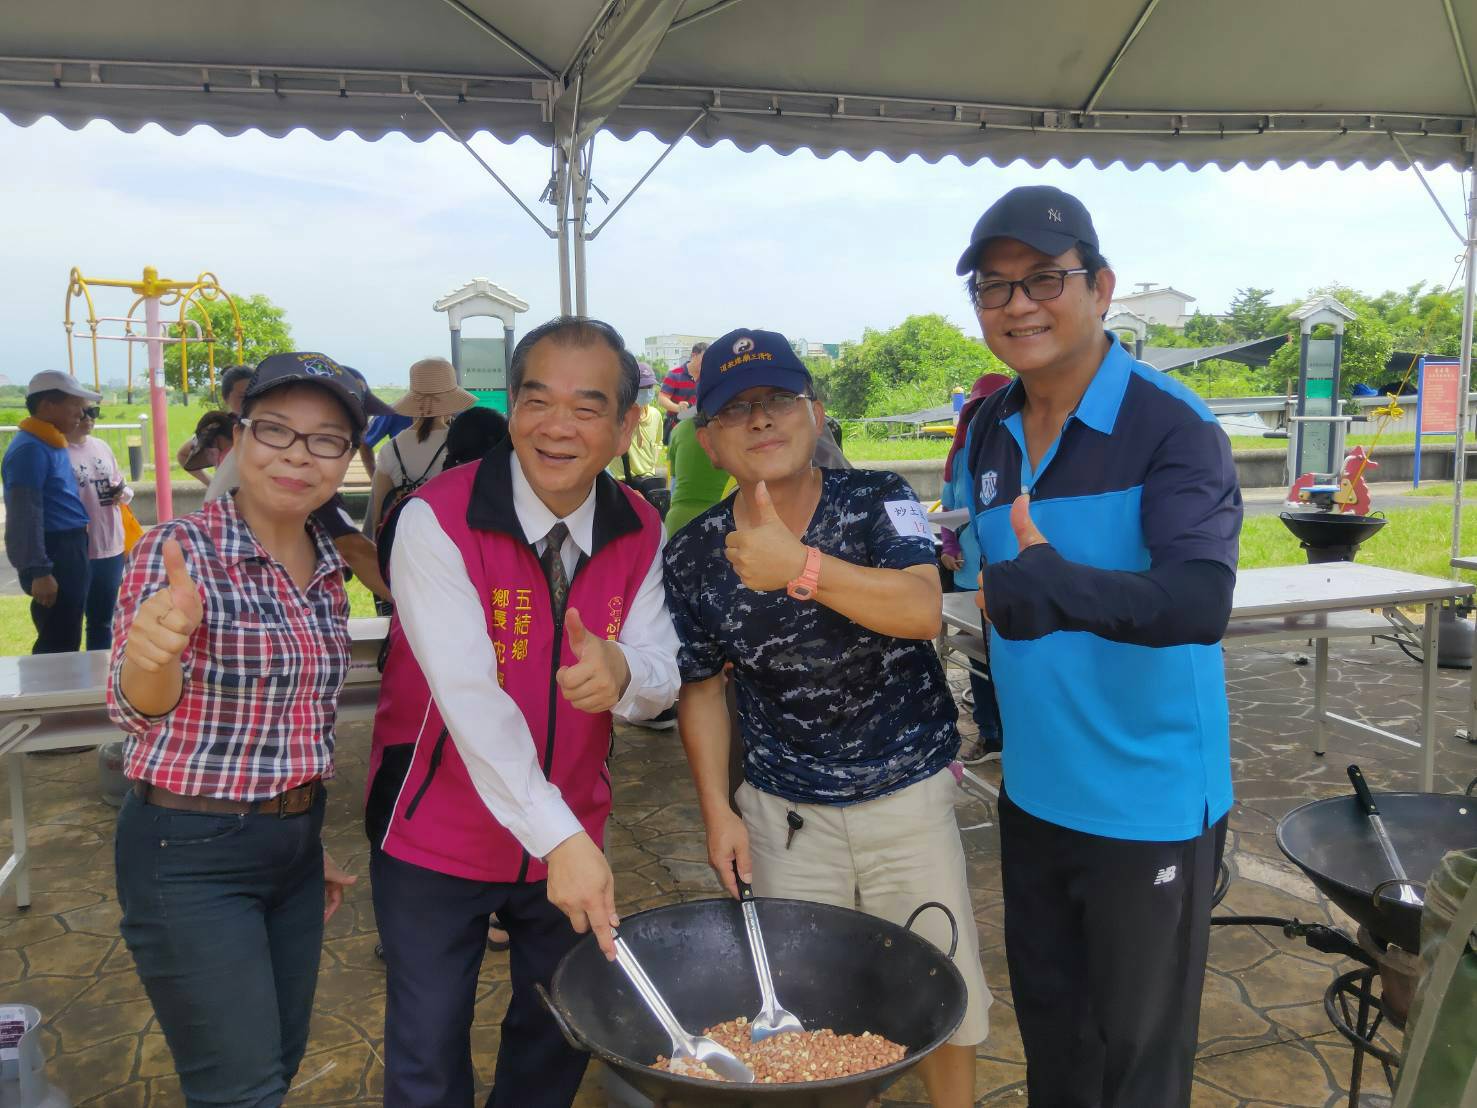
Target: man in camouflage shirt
{"points": [[819, 586]]}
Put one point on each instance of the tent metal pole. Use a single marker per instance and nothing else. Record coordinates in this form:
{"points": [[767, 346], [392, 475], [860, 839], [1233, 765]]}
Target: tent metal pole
{"points": [[561, 205], [447, 127], [1464, 373], [1107, 76], [702, 115], [711, 9], [484, 25], [581, 191]]}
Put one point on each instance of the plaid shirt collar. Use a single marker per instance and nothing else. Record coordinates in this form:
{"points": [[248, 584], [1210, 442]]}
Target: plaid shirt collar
{"points": [[236, 542]]}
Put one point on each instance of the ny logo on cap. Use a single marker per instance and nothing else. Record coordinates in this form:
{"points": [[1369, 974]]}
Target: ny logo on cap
{"points": [[1054, 214]]}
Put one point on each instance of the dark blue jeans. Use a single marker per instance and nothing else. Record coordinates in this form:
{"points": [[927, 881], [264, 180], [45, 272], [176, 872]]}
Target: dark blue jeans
{"points": [[224, 917], [102, 595], [59, 627]]}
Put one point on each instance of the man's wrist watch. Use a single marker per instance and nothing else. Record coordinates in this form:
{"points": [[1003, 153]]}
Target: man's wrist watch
{"points": [[804, 586]]}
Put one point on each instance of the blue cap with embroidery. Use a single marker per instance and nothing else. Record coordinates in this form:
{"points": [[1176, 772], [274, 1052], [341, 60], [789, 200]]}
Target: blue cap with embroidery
{"points": [[747, 359]]}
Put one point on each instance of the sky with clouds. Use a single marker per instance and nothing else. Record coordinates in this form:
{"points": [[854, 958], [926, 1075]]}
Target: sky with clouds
{"points": [[356, 240]]}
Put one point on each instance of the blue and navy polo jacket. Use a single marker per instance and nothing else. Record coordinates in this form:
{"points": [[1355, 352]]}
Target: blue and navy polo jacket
{"points": [[1105, 737]]}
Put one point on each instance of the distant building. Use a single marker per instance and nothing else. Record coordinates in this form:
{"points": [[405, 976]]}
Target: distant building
{"points": [[672, 349], [1166, 305]]}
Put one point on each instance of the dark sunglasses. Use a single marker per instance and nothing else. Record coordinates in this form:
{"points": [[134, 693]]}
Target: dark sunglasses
{"points": [[92, 413]]}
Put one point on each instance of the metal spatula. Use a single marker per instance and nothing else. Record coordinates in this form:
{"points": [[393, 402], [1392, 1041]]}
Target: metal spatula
{"points": [[1408, 894], [772, 1019], [691, 1048]]}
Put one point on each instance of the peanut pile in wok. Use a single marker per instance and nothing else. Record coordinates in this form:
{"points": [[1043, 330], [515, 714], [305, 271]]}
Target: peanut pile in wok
{"points": [[796, 1056]]}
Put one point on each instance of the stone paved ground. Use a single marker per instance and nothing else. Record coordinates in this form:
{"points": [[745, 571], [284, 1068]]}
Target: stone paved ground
{"points": [[1264, 1039]]}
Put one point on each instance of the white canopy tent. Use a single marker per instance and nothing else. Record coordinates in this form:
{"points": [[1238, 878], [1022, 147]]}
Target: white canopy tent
{"points": [[1141, 82]]}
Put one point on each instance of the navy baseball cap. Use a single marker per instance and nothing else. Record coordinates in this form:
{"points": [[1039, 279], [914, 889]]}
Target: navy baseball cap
{"points": [[1044, 218], [746, 359], [311, 368], [373, 405]]}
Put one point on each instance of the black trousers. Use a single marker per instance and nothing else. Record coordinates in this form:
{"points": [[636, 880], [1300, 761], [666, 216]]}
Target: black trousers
{"points": [[59, 627], [1106, 940], [434, 931]]}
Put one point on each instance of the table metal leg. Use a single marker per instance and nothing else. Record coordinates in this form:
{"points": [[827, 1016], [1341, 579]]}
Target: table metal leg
{"points": [[17, 865], [1430, 644], [1320, 695]]}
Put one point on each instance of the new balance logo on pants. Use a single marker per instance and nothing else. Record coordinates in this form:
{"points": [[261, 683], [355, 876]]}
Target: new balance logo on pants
{"points": [[1164, 876]]}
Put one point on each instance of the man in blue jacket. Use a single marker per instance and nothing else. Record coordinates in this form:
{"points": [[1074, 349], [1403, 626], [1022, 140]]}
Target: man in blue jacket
{"points": [[45, 522], [1105, 502]]}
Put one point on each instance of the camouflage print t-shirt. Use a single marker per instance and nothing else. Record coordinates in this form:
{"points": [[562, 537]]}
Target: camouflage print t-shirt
{"points": [[831, 713]]}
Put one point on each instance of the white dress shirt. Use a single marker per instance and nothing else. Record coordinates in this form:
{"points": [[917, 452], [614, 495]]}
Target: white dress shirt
{"points": [[441, 614]]}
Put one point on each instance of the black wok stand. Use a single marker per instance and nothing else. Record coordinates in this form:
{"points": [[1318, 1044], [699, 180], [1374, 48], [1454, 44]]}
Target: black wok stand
{"points": [[1360, 1027]]}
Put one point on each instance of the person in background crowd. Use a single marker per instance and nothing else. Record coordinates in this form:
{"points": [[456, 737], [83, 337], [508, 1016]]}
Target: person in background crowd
{"points": [[697, 481], [215, 433], [679, 390], [230, 649], [417, 454], [488, 788], [191, 458], [819, 587], [381, 427], [961, 558], [472, 434], [45, 521], [1105, 502], [637, 467], [103, 491]]}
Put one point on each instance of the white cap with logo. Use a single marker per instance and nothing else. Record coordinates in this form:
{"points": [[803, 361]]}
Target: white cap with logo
{"points": [[54, 380]]}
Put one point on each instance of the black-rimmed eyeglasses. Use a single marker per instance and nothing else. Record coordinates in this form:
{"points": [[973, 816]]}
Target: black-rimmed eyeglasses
{"points": [[92, 413], [1045, 285], [739, 412], [279, 436]]}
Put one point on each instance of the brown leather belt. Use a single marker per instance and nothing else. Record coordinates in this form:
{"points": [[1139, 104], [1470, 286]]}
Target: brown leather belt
{"points": [[293, 802]]}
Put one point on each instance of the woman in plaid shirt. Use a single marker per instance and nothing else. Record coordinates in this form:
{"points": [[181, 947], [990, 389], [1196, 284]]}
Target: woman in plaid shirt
{"points": [[230, 647]]}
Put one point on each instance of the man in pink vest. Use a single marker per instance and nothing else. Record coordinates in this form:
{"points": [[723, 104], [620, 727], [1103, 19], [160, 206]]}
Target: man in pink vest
{"points": [[528, 610]]}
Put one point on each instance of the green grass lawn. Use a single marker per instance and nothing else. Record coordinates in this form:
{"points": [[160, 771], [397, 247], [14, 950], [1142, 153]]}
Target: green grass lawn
{"points": [[182, 420]]}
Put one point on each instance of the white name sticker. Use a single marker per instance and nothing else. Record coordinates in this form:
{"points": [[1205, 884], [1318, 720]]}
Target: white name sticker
{"points": [[908, 519]]}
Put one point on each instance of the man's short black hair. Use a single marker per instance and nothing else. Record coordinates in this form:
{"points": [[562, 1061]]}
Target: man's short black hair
{"points": [[233, 377], [36, 399], [699, 347], [574, 330]]}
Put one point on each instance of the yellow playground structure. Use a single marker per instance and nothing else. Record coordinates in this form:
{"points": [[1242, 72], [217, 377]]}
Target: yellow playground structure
{"points": [[152, 293]]}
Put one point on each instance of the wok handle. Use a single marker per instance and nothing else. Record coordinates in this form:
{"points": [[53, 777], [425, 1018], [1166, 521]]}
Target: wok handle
{"points": [[944, 908], [1361, 790], [559, 1021]]}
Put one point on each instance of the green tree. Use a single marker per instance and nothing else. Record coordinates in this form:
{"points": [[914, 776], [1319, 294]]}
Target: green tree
{"points": [[264, 330], [914, 365], [1251, 314], [1206, 330]]}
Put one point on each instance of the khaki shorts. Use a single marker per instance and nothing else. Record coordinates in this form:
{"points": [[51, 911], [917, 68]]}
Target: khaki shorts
{"points": [[896, 851]]}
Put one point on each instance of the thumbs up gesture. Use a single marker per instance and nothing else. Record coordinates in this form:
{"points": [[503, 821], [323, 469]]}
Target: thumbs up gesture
{"points": [[764, 552], [598, 678], [1026, 536], [164, 622]]}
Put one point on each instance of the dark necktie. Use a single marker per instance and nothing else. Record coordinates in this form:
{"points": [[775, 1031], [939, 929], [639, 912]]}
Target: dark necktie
{"points": [[552, 560]]}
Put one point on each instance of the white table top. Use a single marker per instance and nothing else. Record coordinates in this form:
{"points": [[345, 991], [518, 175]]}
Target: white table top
{"points": [[37, 681], [1291, 590]]}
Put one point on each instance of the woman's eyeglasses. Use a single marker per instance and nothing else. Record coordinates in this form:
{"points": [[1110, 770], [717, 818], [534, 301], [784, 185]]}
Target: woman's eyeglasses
{"points": [[279, 436], [1046, 285], [776, 406]]}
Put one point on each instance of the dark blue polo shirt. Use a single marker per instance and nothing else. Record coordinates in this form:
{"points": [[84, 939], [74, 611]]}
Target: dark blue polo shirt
{"points": [[1102, 735]]}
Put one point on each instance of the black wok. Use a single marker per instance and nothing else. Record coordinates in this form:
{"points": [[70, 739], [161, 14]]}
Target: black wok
{"points": [[1333, 843], [833, 967]]}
